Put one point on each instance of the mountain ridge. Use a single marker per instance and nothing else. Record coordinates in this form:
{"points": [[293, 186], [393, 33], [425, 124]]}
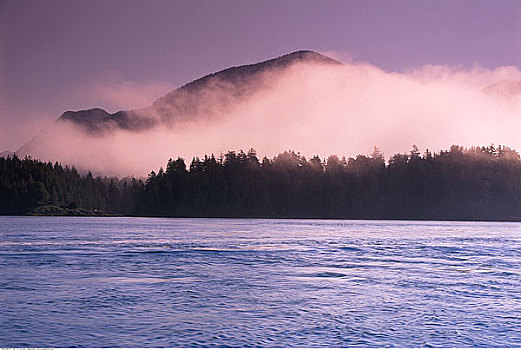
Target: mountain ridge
{"points": [[179, 103]]}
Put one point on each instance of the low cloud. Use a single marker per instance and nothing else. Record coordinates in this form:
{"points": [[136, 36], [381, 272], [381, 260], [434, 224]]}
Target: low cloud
{"points": [[311, 108]]}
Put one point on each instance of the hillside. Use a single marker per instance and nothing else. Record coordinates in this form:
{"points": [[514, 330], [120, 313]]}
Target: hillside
{"points": [[185, 102]]}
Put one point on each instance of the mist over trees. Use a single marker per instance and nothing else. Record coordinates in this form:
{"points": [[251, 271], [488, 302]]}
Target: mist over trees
{"points": [[479, 183]]}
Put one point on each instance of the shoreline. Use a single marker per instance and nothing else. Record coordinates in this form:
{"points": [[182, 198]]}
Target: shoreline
{"points": [[81, 213]]}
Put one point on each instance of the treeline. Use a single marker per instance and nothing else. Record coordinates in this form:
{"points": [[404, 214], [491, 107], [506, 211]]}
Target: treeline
{"points": [[480, 183], [27, 184]]}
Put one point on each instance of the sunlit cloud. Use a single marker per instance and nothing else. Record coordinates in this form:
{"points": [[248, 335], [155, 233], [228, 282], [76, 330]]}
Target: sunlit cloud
{"points": [[312, 108]]}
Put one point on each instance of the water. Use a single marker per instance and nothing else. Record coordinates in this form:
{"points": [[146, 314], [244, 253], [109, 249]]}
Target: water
{"points": [[136, 282]]}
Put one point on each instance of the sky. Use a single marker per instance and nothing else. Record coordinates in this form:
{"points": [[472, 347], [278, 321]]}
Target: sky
{"points": [[67, 55]]}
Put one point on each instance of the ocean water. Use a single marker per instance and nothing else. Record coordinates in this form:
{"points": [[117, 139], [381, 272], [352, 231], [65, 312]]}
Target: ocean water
{"points": [[147, 282]]}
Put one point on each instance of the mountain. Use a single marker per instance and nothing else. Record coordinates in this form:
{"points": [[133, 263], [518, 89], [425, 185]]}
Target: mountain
{"points": [[190, 100]]}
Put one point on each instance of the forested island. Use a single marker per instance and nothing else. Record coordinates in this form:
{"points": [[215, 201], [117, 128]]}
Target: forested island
{"points": [[478, 183]]}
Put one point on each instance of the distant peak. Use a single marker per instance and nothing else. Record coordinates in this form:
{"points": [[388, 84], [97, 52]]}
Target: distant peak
{"points": [[306, 55], [68, 114], [249, 70], [97, 120]]}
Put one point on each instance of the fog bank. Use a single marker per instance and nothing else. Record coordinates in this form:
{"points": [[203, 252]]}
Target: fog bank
{"points": [[314, 109]]}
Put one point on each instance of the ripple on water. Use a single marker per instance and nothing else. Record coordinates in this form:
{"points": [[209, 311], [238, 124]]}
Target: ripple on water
{"points": [[134, 282]]}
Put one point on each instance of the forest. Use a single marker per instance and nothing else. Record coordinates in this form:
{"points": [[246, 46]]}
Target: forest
{"points": [[478, 183]]}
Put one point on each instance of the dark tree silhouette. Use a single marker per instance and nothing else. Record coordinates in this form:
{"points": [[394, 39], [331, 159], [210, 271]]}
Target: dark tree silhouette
{"points": [[480, 183]]}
